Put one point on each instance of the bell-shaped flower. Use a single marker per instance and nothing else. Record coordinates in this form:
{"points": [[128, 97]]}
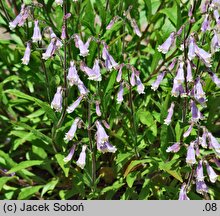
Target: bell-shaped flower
{"points": [[57, 100], [205, 24], [203, 55], [196, 114], [120, 94], [174, 148], [167, 121], [140, 85], [109, 61], [72, 75], [201, 187], [135, 27], [211, 173], [63, 33], [183, 194], [26, 58], [159, 79], [165, 47], [70, 155], [37, 33], [216, 15], [180, 74], [119, 75], [97, 108], [199, 93], [81, 162], [203, 139], [82, 88], [94, 73], [187, 133], [215, 79], [133, 78], [50, 49], [83, 47], [199, 172], [191, 157], [70, 134], [215, 42], [103, 144], [112, 22], [74, 105], [13, 24], [191, 49], [213, 143], [172, 65]]}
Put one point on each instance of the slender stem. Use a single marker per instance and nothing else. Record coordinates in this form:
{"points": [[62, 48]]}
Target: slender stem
{"points": [[91, 148]]}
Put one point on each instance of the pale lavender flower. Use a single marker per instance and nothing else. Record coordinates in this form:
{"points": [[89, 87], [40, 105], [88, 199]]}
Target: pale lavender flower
{"points": [[201, 187], [18, 18], [217, 162], [97, 108], [199, 93], [199, 172], [211, 173], [119, 76], [74, 105], [70, 155], [112, 22], [105, 124], [132, 78], [182, 194], [50, 49], [83, 48], [109, 61], [57, 100], [58, 41], [159, 79], [176, 89], [189, 77], [172, 65], [215, 42], [187, 133], [63, 34], [197, 147], [103, 144], [135, 27], [204, 138], [26, 58], [82, 88], [203, 55], [167, 121], [196, 114], [73, 76], [25, 14], [180, 74], [190, 158], [140, 85], [164, 48], [204, 6], [70, 134], [205, 24], [180, 30], [191, 50], [94, 73], [120, 94], [174, 148], [216, 15], [215, 79], [59, 2], [37, 34], [213, 143], [81, 162]]}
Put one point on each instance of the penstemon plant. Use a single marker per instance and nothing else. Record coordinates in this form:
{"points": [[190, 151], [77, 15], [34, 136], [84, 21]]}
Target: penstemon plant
{"points": [[109, 99]]}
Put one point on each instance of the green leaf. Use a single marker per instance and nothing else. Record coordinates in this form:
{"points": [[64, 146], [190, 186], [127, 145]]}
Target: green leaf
{"points": [[50, 113], [49, 186], [131, 177], [5, 179], [65, 167], [24, 165], [27, 193]]}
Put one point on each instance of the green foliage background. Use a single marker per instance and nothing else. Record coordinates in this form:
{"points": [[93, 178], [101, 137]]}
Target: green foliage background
{"points": [[26, 119]]}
